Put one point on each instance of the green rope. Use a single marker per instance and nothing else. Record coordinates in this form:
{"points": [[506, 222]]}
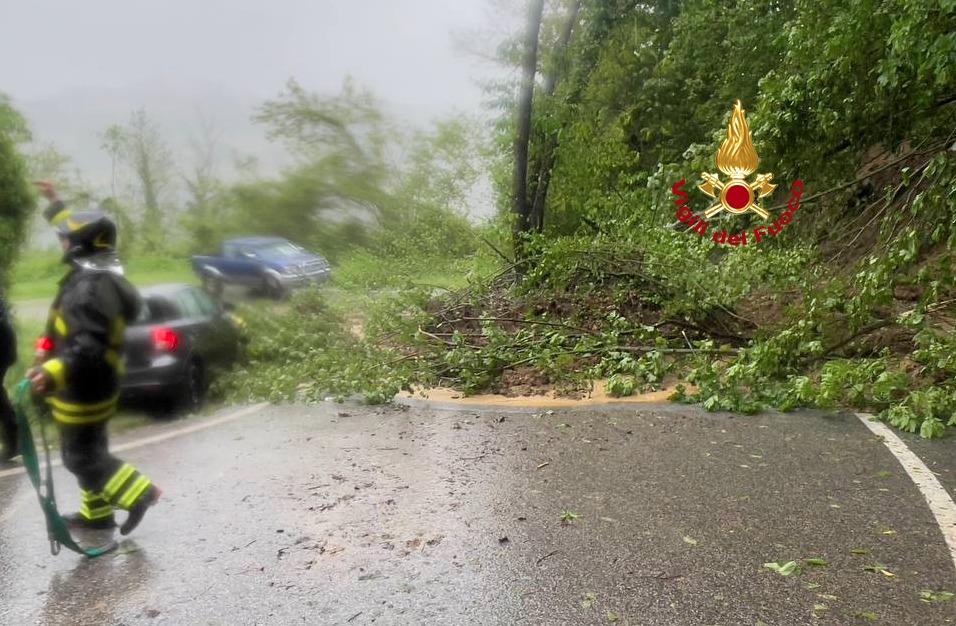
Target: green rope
{"points": [[56, 528]]}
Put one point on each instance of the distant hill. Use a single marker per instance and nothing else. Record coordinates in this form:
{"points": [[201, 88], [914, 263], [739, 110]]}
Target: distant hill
{"points": [[74, 119]]}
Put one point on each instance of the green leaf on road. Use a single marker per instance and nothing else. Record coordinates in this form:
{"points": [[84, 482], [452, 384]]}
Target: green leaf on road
{"points": [[690, 540], [868, 616], [859, 551], [569, 516], [929, 596], [613, 617], [588, 601], [879, 568], [816, 562], [784, 569]]}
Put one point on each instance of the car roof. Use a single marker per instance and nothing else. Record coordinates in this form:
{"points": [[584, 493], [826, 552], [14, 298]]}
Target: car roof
{"points": [[165, 290], [257, 241]]}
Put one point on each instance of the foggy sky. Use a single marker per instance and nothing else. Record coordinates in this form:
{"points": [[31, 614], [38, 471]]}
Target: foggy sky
{"points": [[74, 68], [400, 48]]}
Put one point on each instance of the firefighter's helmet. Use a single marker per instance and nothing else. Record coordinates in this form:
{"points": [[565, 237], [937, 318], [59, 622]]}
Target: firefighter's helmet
{"points": [[89, 232]]}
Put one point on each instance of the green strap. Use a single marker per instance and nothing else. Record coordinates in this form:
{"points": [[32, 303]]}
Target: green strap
{"points": [[56, 528]]}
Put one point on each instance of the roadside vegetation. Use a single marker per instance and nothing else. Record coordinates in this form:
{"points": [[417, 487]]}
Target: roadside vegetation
{"points": [[851, 306], [586, 273], [37, 273]]}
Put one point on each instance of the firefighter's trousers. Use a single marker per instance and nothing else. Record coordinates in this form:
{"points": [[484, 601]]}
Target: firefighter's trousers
{"points": [[106, 482]]}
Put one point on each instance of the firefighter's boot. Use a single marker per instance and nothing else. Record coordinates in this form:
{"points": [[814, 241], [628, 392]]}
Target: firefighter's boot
{"points": [[131, 491], [138, 510]]}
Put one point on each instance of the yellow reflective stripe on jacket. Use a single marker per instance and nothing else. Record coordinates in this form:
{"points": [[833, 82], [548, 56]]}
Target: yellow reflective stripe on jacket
{"points": [[71, 407], [118, 333], [82, 420], [59, 217], [59, 324], [134, 492], [113, 358], [120, 477], [57, 371]]}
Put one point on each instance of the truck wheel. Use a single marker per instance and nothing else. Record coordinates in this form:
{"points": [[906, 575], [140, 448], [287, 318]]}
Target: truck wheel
{"points": [[274, 288], [212, 285]]}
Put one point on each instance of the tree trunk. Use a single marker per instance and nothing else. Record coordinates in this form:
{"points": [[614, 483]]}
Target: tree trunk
{"points": [[551, 144], [525, 100]]}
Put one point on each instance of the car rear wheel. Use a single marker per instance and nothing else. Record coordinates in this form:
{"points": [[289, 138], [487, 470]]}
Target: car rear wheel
{"points": [[188, 395], [194, 386]]}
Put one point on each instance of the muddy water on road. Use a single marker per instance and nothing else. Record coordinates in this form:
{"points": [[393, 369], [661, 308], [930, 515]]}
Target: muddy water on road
{"points": [[598, 396]]}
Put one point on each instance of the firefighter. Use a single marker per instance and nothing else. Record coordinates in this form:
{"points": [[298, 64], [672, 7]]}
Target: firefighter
{"points": [[8, 356], [81, 366]]}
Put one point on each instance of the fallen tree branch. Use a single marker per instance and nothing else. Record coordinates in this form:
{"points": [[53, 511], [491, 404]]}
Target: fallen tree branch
{"points": [[521, 321], [939, 147], [493, 247], [866, 330]]}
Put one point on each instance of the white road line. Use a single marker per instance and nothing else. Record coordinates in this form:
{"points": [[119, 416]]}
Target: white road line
{"points": [[939, 501], [148, 441], [15, 504]]}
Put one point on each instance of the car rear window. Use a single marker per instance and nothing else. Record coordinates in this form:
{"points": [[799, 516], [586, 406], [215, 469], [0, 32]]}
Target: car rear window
{"points": [[156, 309], [189, 304], [206, 304]]}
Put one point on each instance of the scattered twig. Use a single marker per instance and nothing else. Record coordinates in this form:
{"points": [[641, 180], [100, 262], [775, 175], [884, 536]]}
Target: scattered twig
{"points": [[194, 598], [546, 556], [657, 575], [407, 357], [495, 248], [673, 350], [349, 620]]}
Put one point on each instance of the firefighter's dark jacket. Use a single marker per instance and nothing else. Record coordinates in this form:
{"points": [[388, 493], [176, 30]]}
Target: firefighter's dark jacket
{"points": [[8, 340], [87, 325]]}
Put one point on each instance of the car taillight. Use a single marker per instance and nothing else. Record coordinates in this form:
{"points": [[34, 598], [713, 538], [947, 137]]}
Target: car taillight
{"points": [[44, 345], [165, 339]]}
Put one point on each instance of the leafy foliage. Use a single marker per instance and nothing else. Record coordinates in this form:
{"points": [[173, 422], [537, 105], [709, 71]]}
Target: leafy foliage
{"points": [[16, 197], [853, 305]]}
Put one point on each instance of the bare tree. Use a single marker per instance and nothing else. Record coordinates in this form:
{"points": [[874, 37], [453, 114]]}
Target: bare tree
{"points": [[140, 145], [549, 149], [203, 185], [523, 135], [113, 142]]}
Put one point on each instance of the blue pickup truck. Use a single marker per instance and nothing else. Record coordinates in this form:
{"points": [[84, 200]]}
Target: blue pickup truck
{"points": [[271, 264]]}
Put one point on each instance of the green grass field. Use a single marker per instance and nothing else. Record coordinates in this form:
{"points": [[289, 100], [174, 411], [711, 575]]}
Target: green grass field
{"points": [[36, 274]]}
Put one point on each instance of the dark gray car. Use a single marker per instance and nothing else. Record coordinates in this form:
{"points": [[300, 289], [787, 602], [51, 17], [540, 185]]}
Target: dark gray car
{"points": [[180, 337]]}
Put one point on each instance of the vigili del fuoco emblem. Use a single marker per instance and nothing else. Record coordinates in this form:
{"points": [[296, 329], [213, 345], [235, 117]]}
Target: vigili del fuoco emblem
{"points": [[738, 159]]}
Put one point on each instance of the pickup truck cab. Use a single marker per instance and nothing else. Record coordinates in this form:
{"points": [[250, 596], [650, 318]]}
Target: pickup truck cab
{"points": [[272, 264]]}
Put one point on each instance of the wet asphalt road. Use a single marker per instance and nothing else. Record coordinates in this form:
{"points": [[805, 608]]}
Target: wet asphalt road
{"points": [[355, 515]]}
